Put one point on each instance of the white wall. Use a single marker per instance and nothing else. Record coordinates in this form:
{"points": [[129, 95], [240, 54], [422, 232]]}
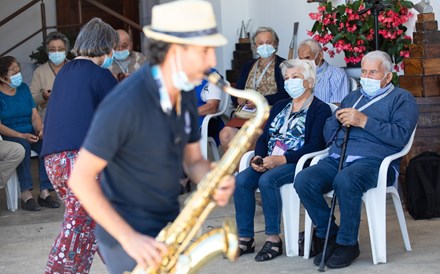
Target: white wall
{"points": [[24, 25]]}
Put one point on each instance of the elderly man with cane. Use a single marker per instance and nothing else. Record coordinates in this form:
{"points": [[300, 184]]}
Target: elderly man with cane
{"points": [[381, 118]]}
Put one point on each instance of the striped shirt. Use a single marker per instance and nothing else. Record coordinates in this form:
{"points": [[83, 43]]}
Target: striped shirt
{"points": [[332, 83]]}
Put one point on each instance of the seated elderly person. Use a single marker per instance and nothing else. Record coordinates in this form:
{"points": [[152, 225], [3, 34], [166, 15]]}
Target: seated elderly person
{"points": [[262, 74], [21, 123], [293, 129], [381, 118], [126, 60], [57, 47], [331, 82], [208, 102]]}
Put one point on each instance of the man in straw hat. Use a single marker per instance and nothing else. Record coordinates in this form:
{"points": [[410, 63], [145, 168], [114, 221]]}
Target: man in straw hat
{"points": [[139, 147]]}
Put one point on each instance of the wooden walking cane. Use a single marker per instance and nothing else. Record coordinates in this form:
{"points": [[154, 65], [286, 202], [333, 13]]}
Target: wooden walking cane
{"points": [[332, 208]]}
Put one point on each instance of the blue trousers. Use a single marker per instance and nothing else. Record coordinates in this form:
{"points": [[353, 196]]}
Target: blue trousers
{"points": [[349, 185], [116, 259], [24, 168], [269, 183]]}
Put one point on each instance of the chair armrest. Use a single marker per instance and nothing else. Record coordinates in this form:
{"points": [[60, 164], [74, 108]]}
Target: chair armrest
{"points": [[319, 156], [302, 161], [383, 170], [246, 160]]}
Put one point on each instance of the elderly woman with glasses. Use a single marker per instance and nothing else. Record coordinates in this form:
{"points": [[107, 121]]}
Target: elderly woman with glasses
{"points": [[57, 47], [21, 123], [77, 91], [294, 128]]}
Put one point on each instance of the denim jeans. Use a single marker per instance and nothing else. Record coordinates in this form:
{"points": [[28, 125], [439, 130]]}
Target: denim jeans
{"points": [[349, 185], [24, 168], [269, 183]]}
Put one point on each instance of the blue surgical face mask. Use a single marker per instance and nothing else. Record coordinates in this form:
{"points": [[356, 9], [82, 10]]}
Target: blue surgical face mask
{"points": [[16, 80], [121, 55], [178, 76], [294, 87], [371, 86], [107, 62], [265, 51], [57, 57]]}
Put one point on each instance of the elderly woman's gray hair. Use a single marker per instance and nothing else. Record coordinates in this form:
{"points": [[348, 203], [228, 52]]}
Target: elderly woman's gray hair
{"points": [[314, 46], [95, 39], [55, 35], [308, 69], [267, 29], [381, 56]]}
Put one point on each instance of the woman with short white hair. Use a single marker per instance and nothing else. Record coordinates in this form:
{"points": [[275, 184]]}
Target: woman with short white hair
{"points": [[294, 128]]}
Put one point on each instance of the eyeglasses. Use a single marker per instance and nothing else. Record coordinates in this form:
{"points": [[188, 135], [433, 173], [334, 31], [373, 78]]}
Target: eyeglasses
{"points": [[56, 49]]}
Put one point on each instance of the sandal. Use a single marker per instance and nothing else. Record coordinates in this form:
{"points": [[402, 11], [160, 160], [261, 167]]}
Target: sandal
{"points": [[268, 252], [246, 247]]}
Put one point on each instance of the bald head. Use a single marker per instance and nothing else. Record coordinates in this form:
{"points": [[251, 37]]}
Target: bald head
{"points": [[124, 41]]}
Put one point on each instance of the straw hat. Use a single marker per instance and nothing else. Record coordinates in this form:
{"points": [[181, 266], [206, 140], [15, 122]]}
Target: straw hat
{"points": [[189, 22]]}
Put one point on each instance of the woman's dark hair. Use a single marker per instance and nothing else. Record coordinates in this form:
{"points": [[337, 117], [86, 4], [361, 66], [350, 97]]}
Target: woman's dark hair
{"points": [[95, 39], [156, 51], [5, 63], [57, 36]]}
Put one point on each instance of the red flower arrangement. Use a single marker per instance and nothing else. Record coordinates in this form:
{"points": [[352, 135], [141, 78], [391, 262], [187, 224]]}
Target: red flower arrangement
{"points": [[353, 34]]}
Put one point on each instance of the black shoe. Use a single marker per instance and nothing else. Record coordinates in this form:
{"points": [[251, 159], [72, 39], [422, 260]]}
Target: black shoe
{"points": [[343, 256], [49, 202], [246, 247], [30, 205], [330, 248], [268, 252]]}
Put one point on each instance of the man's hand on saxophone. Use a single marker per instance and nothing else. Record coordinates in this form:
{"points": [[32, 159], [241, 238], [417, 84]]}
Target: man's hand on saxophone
{"points": [[145, 250]]}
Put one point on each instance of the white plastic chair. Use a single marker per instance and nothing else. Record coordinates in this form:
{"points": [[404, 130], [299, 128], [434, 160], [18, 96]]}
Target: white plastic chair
{"points": [[12, 192], [291, 203], [375, 205], [12, 188], [353, 83], [205, 140], [290, 199]]}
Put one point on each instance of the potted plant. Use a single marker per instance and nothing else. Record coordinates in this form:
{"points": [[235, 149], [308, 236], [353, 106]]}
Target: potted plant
{"points": [[349, 28]]}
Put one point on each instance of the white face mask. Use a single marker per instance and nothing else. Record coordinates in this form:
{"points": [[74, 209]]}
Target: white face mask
{"points": [[57, 57], [16, 80], [314, 60], [371, 86], [179, 78], [265, 51], [294, 87]]}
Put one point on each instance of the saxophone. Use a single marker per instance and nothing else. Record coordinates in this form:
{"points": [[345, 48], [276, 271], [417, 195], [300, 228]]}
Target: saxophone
{"points": [[182, 258]]}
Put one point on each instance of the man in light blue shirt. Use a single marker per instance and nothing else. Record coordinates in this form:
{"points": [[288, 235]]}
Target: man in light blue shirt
{"points": [[332, 83]]}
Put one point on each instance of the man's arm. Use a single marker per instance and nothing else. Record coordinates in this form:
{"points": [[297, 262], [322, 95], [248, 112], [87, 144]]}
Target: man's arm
{"points": [[145, 250], [210, 107]]}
